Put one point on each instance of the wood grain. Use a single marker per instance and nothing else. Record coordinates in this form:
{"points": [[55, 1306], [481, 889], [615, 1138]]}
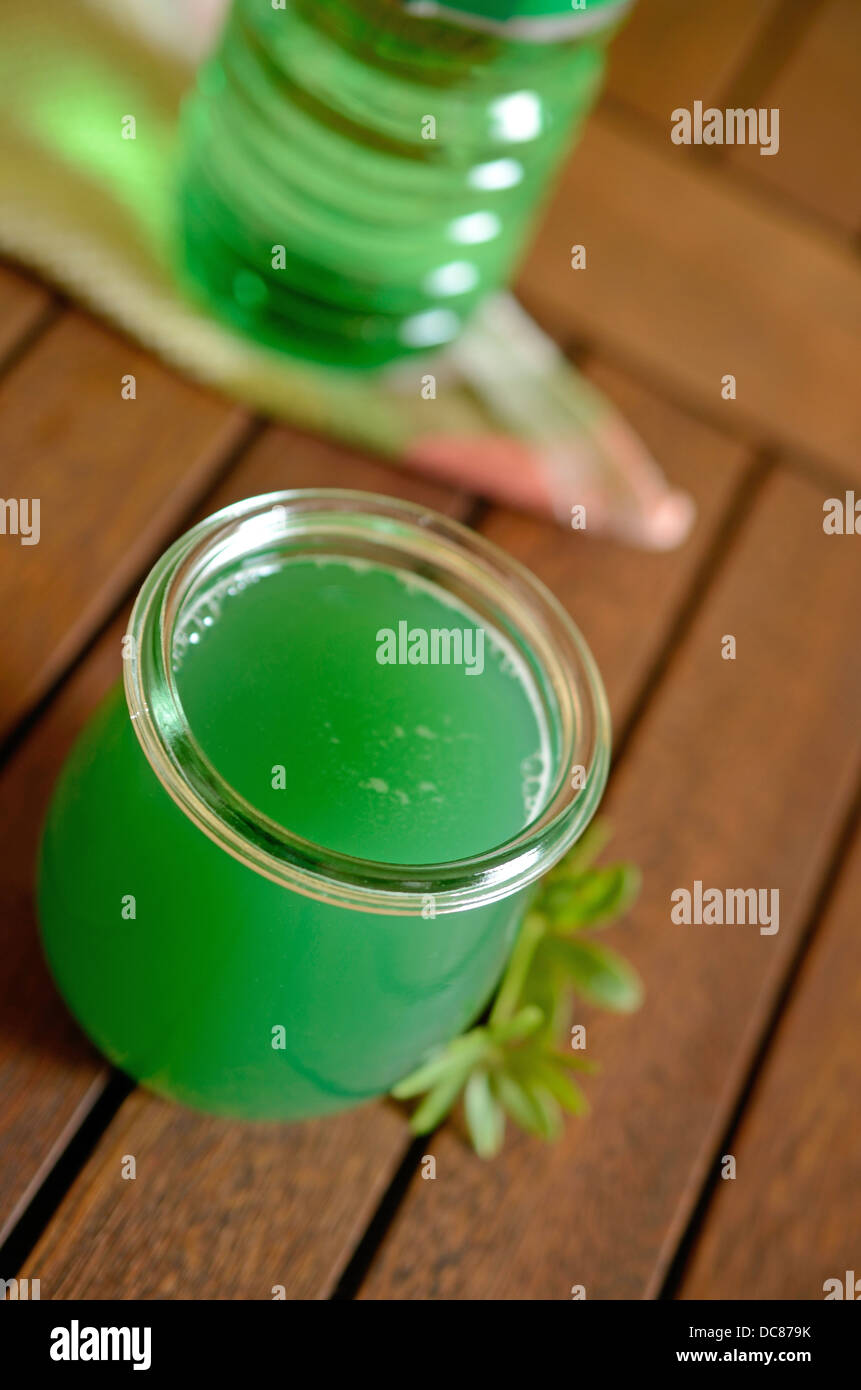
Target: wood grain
{"points": [[627, 601], [672, 53], [141, 1254], [49, 1076], [818, 94], [23, 303], [690, 277], [112, 477], [712, 789], [289, 458], [217, 1209], [790, 1219]]}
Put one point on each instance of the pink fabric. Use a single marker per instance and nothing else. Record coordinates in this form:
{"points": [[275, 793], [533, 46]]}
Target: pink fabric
{"points": [[634, 504]]}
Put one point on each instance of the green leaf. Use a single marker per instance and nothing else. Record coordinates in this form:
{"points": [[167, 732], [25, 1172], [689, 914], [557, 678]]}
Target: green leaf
{"points": [[437, 1103], [561, 1087], [533, 929], [511, 1065], [518, 1102], [484, 1117], [547, 1107], [526, 1022], [456, 1057], [599, 975], [545, 989], [576, 1063], [593, 899]]}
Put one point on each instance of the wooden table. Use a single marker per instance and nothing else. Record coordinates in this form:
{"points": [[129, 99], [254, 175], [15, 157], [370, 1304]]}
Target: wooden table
{"points": [[701, 261]]}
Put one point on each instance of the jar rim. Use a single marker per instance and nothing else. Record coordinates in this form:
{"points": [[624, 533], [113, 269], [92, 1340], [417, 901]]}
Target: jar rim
{"points": [[350, 519]]}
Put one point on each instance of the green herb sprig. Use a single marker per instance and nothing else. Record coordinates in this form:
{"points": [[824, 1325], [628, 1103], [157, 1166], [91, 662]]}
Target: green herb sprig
{"points": [[512, 1065]]}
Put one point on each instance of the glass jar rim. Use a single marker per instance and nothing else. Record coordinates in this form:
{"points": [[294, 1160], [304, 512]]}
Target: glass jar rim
{"points": [[350, 519]]}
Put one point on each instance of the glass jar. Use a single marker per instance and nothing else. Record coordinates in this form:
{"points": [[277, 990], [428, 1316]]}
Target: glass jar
{"points": [[206, 941]]}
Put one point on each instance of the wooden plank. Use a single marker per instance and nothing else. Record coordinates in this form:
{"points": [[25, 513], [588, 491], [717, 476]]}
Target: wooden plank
{"points": [[709, 790], [626, 601], [112, 478], [23, 303], [818, 94], [672, 53], [289, 458], [690, 277], [218, 1209], [49, 1077], [790, 1219], [105, 1239]]}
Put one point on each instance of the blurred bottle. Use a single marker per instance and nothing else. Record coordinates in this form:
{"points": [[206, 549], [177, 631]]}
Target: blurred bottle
{"points": [[359, 174]]}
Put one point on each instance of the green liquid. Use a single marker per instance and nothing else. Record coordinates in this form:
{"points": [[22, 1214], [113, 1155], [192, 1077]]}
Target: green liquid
{"points": [[311, 131], [277, 668], [396, 763]]}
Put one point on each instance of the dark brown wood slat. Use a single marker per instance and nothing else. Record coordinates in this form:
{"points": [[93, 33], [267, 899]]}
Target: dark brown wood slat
{"points": [[112, 477], [22, 304], [218, 1210], [709, 790], [288, 458], [49, 1077], [690, 276], [104, 1240], [818, 94], [672, 53], [626, 601], [789, 1220]]}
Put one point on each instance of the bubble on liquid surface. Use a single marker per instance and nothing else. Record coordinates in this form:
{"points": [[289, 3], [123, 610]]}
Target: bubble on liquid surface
{"points": [[375, 784], [534, 774]]}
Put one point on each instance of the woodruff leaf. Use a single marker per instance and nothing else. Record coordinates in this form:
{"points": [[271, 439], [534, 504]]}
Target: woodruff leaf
{"points": [[456, 1056], [574, 1062], [542, 990], [519, 1104], [547, 1107], [561, 1087], [438, 1102], [484, 1117], [523, 1025], [599, 975], [592, 899], [511, 1065]]}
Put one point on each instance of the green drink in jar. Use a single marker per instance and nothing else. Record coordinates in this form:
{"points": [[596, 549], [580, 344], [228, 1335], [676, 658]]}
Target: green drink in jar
{"points": [[292, 857]]}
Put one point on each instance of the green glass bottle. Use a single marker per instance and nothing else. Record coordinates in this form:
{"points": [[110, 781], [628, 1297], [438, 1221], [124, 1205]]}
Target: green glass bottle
{"points": [[359, 174]]}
